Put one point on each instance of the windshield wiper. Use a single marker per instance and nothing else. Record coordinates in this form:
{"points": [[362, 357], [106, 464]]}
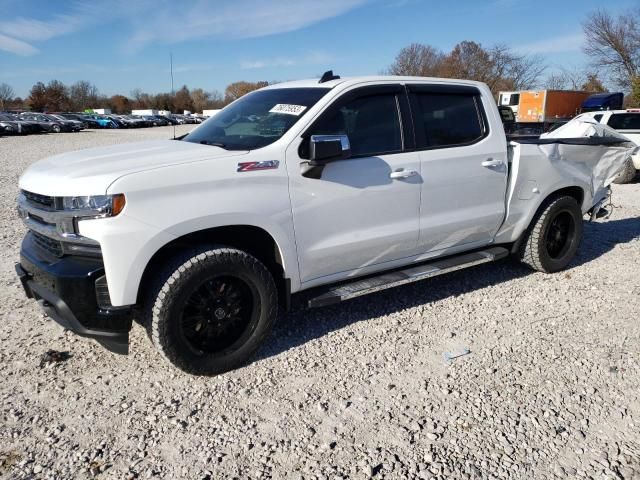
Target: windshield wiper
{"points": [[213, 144]]}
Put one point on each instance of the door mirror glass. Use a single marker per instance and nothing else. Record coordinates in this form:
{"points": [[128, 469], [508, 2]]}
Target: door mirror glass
{"points": [[328, 148]]}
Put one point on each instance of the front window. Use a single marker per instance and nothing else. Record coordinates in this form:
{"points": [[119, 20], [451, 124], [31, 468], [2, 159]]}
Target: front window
{"points": [[256, 120], [372, 124]]}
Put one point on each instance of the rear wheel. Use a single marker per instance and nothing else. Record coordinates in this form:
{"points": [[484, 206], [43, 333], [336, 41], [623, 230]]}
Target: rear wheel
{"points": [[554, 235], [627, 174], [56, 128], [213, 310]]}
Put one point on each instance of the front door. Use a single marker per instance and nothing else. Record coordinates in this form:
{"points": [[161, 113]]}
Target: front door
{"points": [[363, 211]]}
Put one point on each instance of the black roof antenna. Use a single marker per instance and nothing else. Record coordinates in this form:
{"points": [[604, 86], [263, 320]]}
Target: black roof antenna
{"points": [[327, 76]]}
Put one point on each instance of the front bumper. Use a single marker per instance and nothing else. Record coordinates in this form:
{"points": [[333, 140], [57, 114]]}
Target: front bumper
{"points": [[66, 290]]}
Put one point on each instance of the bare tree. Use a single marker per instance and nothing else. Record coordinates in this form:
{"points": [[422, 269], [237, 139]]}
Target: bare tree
{"points": [[614, 44], [238, 89], [555, 81], [83, 95], [6, 95], [417, 60], [498, 66], [593, 84], [574, 79], [524, 71]]}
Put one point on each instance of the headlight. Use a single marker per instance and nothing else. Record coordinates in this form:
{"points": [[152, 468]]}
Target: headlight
{"points": [[95, 206]]}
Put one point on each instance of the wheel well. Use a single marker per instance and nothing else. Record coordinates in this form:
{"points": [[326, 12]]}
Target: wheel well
{"points": [[575, 192], [247, 238]]}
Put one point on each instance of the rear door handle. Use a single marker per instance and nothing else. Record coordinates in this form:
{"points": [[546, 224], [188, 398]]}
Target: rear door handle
{"points": [[490, 162], [399, 174]]}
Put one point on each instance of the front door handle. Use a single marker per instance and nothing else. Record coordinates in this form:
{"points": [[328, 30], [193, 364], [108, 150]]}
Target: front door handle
{"points": [[490, 162], [402, 173]]}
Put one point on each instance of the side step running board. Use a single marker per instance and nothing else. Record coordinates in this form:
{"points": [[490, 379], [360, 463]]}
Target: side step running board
{"points": [[395, 278]]}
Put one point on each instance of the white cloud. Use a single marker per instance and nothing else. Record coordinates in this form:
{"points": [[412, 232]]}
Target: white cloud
{"points": [[18, 47], [564, 43], [16, 33], [33, 30], [310, 58], [170, 22], [269, 62]]}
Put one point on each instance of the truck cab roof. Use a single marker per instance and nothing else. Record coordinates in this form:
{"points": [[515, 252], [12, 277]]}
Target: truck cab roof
{"points": [[350, 81]]}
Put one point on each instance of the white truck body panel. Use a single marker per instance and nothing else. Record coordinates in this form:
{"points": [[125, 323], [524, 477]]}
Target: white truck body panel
{"points": [[353, 221]]}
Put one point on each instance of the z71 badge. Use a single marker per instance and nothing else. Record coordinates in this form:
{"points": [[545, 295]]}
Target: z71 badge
{"points": [[253, 166]]}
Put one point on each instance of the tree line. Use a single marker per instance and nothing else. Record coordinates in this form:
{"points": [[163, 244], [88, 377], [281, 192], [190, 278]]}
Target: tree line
{"points": [[55, 96], [612, 45]]}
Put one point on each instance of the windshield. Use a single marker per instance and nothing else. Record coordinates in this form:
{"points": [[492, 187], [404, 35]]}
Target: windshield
{"points": [[257, 119]]}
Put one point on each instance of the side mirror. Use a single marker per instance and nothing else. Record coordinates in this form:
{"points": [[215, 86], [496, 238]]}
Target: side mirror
{"points": [[328, 148]]}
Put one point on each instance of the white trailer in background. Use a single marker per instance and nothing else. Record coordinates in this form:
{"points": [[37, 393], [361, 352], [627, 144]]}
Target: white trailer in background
{"points": [[145, 112], [102, 111], [210, 113]]}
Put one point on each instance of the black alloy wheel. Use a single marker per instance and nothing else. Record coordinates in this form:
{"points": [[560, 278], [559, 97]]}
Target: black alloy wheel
{"points": [[559, 233], [218, 314]]}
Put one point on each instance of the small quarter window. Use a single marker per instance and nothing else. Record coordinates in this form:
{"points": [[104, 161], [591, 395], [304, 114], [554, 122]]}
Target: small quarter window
{"points": [[447, 120]]}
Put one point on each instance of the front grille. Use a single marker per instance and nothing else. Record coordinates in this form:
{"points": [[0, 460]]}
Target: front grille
{"points": [[38, 199], [52, 246]]}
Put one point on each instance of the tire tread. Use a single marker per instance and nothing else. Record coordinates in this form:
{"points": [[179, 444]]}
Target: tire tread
{"points": [[162, 293]]}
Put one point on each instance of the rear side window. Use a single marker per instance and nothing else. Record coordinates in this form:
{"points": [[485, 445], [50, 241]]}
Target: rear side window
{"points": [[597, 117], [447, 120], [372, 124], [624, 121]]}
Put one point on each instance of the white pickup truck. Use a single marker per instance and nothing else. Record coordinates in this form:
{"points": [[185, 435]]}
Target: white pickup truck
{"points": [[323, 189], [627, 123]]}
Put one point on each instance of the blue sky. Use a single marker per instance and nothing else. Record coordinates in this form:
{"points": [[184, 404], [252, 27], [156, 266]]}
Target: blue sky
{"points": [[120, 45]]}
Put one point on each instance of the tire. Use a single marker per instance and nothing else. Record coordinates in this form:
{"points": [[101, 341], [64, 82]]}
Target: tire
{"points": [[212, 311], [627, 174], [552, 239], [56, 128]]}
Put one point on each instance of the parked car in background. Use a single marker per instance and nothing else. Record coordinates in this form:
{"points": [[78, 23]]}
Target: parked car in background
{"points": [[626, 122], [47, 124], [119, 122], [67, 125], [138, 121], [77, 116], [99, 121], [77, 125], [11, 125], [172, 120], [155, 120]]}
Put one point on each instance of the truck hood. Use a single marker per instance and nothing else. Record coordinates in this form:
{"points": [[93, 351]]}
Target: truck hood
{"points": [[91, 171]]}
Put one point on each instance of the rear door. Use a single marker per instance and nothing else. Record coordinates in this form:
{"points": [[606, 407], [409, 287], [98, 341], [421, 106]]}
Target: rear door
{"points": [[463, 166]]}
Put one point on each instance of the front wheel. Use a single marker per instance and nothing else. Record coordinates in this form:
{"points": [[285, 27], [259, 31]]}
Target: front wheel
{"points": [[56, 128], [554, 236], [213, 311]]}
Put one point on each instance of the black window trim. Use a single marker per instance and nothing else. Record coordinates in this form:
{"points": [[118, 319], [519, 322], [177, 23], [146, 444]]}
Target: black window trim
{"points": [[444, 89], [405, 120]]}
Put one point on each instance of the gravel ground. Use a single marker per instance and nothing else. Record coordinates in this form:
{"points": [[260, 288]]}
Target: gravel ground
{"points": [[550, 388]]}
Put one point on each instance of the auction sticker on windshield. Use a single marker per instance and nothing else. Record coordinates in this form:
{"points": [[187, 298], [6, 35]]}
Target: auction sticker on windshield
{"points": [[288, 109]]}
